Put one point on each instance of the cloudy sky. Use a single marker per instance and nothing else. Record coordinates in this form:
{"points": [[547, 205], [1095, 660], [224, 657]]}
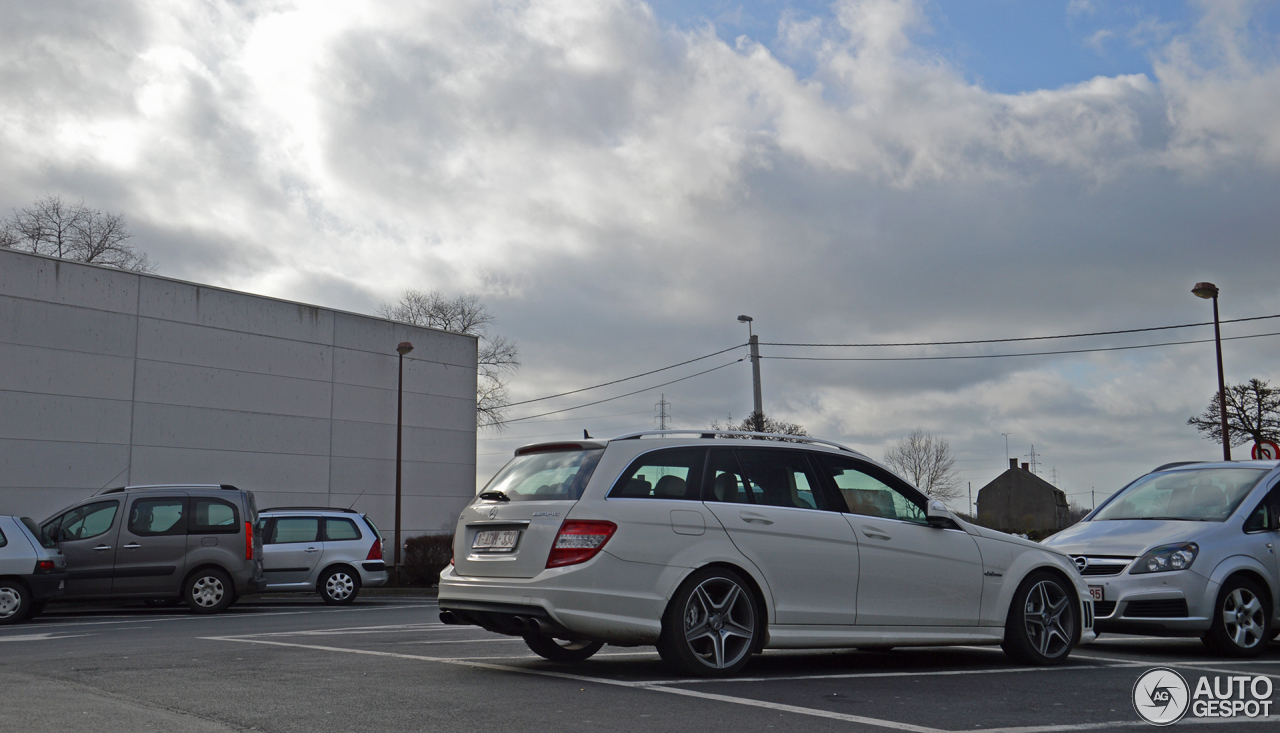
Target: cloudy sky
{"points": [[619, 180]]}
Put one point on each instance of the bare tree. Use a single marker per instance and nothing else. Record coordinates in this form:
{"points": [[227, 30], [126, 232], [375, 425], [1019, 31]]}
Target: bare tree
{"points": [[1253, 413], [497, 358], [53, 227], [758, 422], [927, 462]]}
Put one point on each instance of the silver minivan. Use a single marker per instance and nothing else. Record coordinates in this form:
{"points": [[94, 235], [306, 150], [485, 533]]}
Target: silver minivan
{"points": [[332, 552], [193, 543], [1187, 550]]}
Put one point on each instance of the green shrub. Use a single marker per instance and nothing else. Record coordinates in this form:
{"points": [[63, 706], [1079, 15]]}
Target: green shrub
{"points": [[424, 557]]}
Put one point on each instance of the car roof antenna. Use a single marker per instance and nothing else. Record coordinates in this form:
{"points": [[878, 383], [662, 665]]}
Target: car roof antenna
{"points": [[585, 434], [353, 501]]}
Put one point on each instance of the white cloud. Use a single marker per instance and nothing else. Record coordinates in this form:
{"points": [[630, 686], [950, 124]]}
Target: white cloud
{"points": [[620, 190]]}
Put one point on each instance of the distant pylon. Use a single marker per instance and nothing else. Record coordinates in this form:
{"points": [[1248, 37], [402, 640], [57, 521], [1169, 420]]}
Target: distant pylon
{"points": [[662, 412], [1035, 460]]}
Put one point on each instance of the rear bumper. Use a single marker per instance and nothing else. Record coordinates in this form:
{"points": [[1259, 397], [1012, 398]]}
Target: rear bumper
{"points": [[46, 586], [604, 599]]}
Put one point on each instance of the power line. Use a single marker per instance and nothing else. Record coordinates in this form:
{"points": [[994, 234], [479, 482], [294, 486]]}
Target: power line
{"points": [[1036, 338], [625, 379], [638, 391], [1001, 356]]}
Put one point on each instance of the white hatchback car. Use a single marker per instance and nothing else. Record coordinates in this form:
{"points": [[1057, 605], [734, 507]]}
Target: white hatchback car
{"points": [[713, 548]]}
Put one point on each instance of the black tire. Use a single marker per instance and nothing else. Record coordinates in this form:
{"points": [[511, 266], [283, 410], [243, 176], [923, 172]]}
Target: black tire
{"points": [[15, 602], [712, 625], [1241, 620], [1043, 625], [208, 591], [339, 586], [558, 650]]}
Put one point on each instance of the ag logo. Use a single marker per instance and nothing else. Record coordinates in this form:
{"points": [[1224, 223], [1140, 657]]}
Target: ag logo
{"points": [[1161, 696]]}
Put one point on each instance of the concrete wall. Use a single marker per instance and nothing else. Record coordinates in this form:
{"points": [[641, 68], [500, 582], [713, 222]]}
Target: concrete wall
{"points": [[110, 378]]}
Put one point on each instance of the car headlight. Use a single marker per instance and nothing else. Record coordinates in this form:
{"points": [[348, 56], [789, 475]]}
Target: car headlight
{"points": [[1167, 557]]}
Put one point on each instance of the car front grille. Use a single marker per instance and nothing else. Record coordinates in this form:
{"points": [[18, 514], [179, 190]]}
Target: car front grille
{"points": [[1171, 608], [1095, 566]]}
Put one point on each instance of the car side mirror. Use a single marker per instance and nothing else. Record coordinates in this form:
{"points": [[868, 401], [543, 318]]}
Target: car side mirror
{"points": [[937, 515]]}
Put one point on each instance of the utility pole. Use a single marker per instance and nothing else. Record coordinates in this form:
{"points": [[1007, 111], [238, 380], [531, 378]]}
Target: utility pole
{"points": [[971, 499], [1093, 499], [662, 412], [1006, 447], [754, 341], [1035, 460], [1054, 473]]}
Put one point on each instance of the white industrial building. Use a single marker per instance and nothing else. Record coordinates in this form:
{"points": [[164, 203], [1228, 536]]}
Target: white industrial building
{"points": [[110, 378]]}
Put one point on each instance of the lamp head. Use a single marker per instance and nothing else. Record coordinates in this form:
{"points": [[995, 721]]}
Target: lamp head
{"points": [[1205, 290], [404, 348], [744, 319]]}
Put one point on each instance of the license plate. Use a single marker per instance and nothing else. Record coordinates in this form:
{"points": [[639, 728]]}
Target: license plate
{"points": [[1095, 591], [496, 540]]}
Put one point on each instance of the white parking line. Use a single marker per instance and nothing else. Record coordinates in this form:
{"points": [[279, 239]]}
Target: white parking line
{"points": [[41, 637]]}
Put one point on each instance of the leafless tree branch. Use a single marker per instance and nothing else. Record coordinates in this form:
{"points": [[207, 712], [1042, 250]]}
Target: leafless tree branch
{"points": [[53, 227], [926, 461]]}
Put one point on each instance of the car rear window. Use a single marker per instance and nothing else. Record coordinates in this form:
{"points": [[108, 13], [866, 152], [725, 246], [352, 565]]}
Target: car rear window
{"points": [[548, 476], [1205, 495], [3, 540]]}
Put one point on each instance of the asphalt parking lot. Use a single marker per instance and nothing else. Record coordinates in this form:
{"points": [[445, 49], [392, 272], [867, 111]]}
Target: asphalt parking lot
{"points": [[387, 664]]}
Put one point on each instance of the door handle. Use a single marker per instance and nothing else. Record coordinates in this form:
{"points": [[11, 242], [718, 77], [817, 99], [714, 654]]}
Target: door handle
{"points": [[100, 548], [872, 532], [130, 546], [312, 549], [753, 517]]}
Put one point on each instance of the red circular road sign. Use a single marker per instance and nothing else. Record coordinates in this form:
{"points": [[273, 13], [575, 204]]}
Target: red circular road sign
{"points": [[1265, 451]]}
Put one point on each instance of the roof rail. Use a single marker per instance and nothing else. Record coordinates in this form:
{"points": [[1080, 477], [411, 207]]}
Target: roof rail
{"points": [[743, 433], [149, 487], [309, 509]]}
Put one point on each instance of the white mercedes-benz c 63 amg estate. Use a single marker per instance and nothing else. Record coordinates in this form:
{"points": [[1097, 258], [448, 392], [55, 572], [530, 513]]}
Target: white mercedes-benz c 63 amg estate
{"points": [[714, 547]]}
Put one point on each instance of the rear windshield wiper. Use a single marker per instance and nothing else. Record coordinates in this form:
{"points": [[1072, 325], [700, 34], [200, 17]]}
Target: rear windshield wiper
{"points": [[494, 495]]}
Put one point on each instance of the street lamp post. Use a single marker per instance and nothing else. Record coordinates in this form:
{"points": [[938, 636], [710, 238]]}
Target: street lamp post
{"points": [[404, 348], [754, 340], [1210, 291]]}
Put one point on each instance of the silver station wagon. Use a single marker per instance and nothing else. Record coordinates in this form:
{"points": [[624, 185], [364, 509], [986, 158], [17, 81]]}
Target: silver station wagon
{"points": [[1187, 550], [716, 547]]}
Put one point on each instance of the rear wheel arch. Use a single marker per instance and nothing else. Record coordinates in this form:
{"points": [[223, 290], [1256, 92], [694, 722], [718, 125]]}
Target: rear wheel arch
{"points": [[338, 565], [761, 598]]}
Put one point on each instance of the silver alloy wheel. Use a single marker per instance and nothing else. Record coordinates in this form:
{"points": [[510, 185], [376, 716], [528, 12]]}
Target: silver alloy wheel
{"points": [[1242, 614], [208, 591], [339, 586], [719, 622], [1047, 607], [10, 602]]}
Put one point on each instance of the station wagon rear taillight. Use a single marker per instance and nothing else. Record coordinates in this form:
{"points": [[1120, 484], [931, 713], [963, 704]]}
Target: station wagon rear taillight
{"points": [[375, 552], [248, 540], [45, 566], [579, 541]]}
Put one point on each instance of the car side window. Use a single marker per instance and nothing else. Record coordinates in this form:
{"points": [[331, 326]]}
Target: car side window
{"points": [[214, 516], [286, 530], [158, 517], [674, 473], [780, 478], [1266, 517], [725, 481], [3, 540], [337, 530], [83, 522], [874, 493]]}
